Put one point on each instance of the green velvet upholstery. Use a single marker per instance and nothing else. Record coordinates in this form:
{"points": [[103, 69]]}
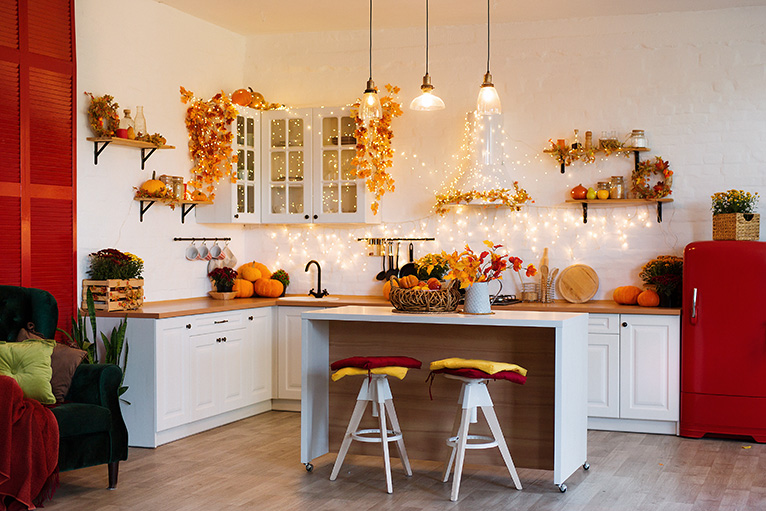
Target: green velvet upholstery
{"points": [[91, 428]]}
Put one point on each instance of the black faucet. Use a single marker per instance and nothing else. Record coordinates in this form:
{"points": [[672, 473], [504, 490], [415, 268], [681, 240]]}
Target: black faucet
{"points": [[323, 292]]}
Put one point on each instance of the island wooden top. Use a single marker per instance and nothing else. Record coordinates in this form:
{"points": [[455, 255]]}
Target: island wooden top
{"points": [[203, 305]]}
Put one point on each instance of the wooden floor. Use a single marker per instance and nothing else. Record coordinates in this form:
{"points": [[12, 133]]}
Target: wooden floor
{"points": [[254, 465]]}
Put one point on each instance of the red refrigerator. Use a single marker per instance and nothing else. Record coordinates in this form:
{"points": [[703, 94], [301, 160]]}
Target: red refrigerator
{"points": [[723, 339]]}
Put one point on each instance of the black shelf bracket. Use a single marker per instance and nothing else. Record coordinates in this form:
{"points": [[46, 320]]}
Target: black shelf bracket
{"points": [[149, 204], [145, 156], [636, 159], [659, 212], [97, 150], [585, 212], [563, 168], [186, 209]]}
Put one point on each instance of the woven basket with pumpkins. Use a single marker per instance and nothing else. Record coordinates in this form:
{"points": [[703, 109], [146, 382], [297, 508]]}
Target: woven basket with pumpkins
{"points": [[408, 294]]}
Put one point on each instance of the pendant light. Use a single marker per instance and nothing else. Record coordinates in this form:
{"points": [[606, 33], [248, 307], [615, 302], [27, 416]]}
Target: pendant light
{"points": [[489, 101], [370, 109], [427, 101]]}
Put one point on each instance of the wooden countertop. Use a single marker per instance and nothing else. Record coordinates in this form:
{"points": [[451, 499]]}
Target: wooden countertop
{"points": [[189, 306]]}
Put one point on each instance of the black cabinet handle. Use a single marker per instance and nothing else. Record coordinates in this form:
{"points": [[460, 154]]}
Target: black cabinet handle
{"points": [[236, 215], [624, 324], [218, 340], [188, 325], [316, 216], [224, 339], [250, 318], [219, 322], [306, 217]]}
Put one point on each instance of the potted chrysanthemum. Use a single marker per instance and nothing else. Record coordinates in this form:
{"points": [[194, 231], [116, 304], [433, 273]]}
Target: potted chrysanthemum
{"points": [[734, 216]]}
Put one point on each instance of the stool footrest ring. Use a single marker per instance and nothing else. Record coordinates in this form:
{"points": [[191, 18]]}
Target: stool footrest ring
{"points": [[393, 436], [487, 442]]}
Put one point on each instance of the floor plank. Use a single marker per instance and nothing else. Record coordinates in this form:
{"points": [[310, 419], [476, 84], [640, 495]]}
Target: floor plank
{"points": [[254, 464]]}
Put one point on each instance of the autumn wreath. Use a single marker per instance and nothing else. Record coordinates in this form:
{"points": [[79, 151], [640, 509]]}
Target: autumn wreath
{"points": [[102, 115], [641, 177]]}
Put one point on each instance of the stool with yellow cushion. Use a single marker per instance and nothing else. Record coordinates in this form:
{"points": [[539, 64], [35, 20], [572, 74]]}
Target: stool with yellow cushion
{"points": [[474, 374], [375, 390]]}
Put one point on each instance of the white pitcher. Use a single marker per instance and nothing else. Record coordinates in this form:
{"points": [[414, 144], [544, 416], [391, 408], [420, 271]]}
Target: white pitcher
{"points": [[477, 300]]}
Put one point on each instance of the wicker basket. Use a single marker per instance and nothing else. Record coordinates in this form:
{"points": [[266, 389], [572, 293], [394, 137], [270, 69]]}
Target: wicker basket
{"points": [[736, 226], [418, 300]]}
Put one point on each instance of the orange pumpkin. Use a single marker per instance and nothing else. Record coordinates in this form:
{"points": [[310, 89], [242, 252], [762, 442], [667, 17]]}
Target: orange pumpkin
{"points": [[408, 281], [268, 287], [626, 295], [648, 298], [243, 288], [241, 97]]}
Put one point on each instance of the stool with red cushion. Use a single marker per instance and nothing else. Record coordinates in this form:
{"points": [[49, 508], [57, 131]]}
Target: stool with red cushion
{"points": [[474, 374], [375, 390]]}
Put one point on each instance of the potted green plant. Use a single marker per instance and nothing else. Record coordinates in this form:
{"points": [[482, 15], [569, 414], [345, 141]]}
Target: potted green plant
{"points": [[283, 277], [665, 275], [734, 216]]}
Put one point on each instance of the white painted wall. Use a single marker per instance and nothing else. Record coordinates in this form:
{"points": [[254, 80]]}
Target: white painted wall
{"points": [[141, 52], [693, 81]]}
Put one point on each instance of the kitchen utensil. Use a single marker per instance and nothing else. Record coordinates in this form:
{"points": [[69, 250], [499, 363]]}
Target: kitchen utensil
{"points": [[544, 259], [409, 268], [544, 280], [382, 274], [392, 270], [577, 283]]}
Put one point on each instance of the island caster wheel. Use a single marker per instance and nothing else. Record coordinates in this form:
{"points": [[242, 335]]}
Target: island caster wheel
{"points": [[586, 465], [562, 488], [309, 467]]}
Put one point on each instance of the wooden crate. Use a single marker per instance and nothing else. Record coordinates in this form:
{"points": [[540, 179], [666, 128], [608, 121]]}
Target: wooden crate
{"points": [[737, 226], [114, 294]]}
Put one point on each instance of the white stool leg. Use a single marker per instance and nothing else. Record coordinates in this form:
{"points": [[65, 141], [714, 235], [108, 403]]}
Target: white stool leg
{"points": [[497, 433], [386, 455], [356, 418], [399, 443], [453, 433], [465, 422]]}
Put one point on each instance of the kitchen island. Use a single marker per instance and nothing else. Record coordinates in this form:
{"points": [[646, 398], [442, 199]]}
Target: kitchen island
{"points": [[544, 421]]}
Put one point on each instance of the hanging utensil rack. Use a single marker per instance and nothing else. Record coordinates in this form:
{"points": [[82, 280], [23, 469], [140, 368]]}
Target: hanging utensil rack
{"points": [[201, 239]]}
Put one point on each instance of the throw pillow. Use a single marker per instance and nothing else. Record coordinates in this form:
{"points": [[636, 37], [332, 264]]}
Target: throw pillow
{"points": [[64, 362], [29, 363], [28, 332]]}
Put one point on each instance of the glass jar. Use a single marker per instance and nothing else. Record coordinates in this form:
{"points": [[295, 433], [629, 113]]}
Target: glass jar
{"points": [[127, 121], [617, 187], [637, 139], [602, 190]]}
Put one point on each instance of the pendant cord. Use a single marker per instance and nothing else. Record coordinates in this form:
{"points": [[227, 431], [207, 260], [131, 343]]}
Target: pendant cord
{"points": [[370, 39], [426, 36], [487, 36]]}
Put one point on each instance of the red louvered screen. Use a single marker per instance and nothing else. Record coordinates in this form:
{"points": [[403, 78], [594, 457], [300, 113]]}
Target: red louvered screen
{"points": [[37, 149]]}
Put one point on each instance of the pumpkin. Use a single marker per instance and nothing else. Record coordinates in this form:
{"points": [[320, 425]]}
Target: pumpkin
{"points": [[408, 281], [250, 273], [268, 287], [153, 186], [626, 295], [648, 298], [265, 273], [387, 287], [243, 288], [241, 97], [198, 196]]}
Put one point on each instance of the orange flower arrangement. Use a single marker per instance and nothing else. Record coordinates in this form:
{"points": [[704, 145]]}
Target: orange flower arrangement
{"points": [[468, 268], [374, 153], [210, 139]]}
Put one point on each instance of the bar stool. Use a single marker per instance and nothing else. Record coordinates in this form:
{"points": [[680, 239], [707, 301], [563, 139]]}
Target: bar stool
{"points": [[473, 395], [376, 390]]}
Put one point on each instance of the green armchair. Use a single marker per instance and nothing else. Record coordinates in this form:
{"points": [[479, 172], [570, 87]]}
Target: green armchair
{"points": [[91, 429]]}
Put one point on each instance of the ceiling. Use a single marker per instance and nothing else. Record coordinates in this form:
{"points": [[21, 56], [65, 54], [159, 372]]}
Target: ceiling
{"points": [[250, 17]]}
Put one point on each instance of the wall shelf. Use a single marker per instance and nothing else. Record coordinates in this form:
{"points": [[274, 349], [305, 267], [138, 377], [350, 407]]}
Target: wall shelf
{"points": [[618, 203], [186, 205], [147, 148], [577, 153]]}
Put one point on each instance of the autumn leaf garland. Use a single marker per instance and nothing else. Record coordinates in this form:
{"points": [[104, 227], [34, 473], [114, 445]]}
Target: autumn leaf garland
{"points": [[210, 139]]}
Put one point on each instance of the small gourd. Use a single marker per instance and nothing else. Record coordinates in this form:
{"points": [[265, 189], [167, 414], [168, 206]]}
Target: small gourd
{"points": [[648, 298], [241, 97], [153, 186], [626, 295], [269, 288], [408, 281]]}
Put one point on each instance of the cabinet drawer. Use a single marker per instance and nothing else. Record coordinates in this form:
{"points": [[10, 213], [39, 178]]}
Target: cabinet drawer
{"points": [[215, 322], [603, 323]]}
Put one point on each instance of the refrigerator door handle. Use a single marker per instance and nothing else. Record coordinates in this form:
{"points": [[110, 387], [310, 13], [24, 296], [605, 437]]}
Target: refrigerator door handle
{"points": [[693, 318]]}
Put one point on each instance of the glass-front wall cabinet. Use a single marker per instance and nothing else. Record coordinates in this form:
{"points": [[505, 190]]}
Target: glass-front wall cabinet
{"points": [[286, 166], [336, 184], [240, 201]]}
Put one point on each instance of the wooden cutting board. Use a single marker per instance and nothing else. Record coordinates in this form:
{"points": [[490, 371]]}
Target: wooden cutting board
{"points": [[577, 283]]}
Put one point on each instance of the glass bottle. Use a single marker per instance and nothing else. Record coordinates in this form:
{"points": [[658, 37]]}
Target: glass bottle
{"points": [[140, 121], [637, 139], [576, 145], [127, 121]]}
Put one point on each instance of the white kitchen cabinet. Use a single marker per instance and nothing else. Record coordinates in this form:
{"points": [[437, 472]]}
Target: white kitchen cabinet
{"points": [[288, 360], [634, 372], [184, 378], [307, 170], [239, 202]]}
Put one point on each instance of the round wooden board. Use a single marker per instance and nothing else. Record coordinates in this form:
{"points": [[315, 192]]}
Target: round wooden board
{"points": [[577, 283]]}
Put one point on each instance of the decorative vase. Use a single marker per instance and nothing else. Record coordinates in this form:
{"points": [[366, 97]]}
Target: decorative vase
{"points": [[477, 300]]}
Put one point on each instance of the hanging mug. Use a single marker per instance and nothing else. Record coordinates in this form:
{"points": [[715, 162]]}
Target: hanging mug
{"points": [[204, 253], [216, 252], [192, 254]]}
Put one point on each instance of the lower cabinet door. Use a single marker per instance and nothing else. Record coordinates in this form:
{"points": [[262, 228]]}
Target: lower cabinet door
{"points": [[604, 375], [258, 355], [650, 367], [172, 373]]}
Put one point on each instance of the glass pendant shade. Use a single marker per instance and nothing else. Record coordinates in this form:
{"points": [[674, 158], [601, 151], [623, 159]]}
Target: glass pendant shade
{"points": [[488, 102], [370, 109], [427, 101]]}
